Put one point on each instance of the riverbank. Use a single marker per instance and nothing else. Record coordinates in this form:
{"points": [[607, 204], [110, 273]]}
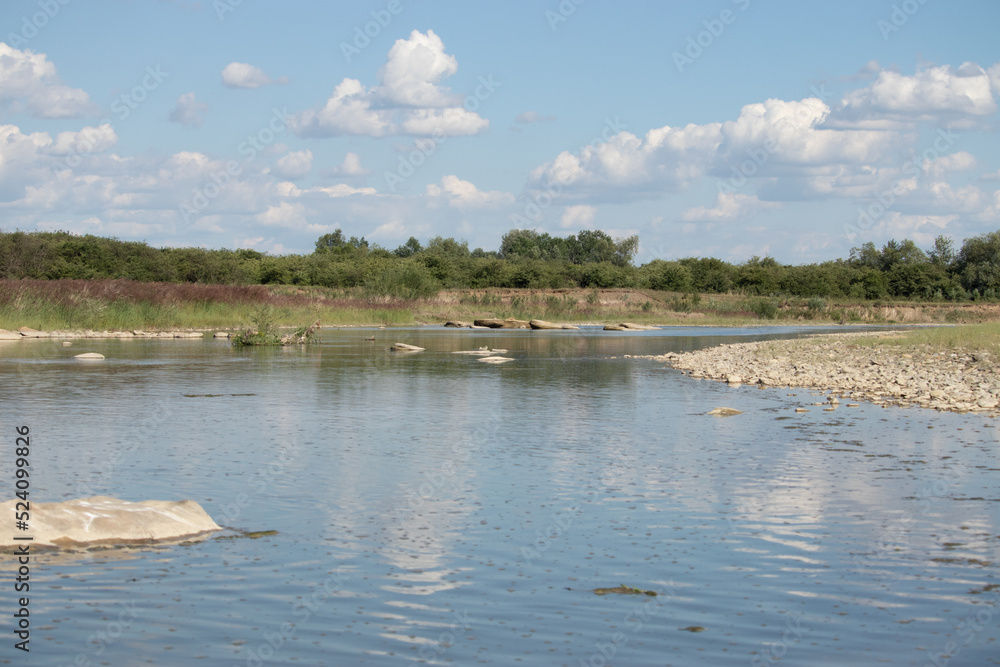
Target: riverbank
{"points": [[121, 305], [955, 370]]}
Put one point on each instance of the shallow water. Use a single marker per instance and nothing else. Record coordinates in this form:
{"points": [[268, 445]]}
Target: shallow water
{"points": [[436, 509]]}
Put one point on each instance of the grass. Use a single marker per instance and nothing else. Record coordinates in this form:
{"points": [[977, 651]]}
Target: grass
{"points": [[971, 337], [127, 305]]}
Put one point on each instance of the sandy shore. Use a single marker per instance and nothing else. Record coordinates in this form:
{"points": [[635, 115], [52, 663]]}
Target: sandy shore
{"points": [[956, 381]]}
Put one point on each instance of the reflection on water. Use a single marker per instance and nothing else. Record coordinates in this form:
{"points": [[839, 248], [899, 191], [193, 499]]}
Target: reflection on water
{"points": [[433, 508]]}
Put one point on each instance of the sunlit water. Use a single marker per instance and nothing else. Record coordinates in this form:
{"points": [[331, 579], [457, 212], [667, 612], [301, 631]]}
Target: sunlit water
{"points": [[436, 509]]}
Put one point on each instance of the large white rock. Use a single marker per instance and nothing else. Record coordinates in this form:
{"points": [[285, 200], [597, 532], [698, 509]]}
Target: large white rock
{"points": [[102, 520], [89, 355]]}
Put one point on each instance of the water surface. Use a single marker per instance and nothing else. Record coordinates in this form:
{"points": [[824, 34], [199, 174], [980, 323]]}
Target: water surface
{"points": [[435, 509]]}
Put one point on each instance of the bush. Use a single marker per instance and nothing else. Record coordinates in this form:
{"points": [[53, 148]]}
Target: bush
{"points": [[765, 309]]}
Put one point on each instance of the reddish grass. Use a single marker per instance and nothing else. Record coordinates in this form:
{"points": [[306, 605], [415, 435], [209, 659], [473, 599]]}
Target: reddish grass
{"points": [[67, 292]]}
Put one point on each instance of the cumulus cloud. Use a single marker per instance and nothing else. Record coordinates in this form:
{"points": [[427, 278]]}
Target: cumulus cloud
{"points": [[244, 75], [413, 70], [188, 111], [463, 194], [349, 168], [896, 100], [789, 149], [409, 98], [28, 81], [295, 164], [729, 206], [578, 217]]}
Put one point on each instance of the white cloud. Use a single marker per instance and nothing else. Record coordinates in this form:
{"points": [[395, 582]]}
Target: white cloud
{"points": [[244, 75], [284, 214], [28, 81], [407, 100], [188, 111], [578, 217], [412, 71], [350, 167], [295, 164], [729, 206], [895, 99], [463, 194]]}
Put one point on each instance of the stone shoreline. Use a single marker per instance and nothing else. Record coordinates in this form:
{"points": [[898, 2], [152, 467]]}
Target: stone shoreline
{"points": [[27, 333], [954, 381]]}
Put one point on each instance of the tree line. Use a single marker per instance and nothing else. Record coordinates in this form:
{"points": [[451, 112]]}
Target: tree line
{"points": [[525, 259]]}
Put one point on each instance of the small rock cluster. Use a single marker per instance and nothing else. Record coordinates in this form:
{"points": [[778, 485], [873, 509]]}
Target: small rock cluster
{"points": [[956, 381]]}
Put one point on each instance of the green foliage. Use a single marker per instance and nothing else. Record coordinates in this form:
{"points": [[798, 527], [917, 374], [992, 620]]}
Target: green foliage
{"points": [[262, 329], [765, 309], [665, 276], [525, 259]]}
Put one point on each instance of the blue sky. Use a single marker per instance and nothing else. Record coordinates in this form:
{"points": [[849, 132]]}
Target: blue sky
{"points": [[729, 128]]}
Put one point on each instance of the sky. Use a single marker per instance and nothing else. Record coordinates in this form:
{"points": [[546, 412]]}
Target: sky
{"points": [[723, 128]]}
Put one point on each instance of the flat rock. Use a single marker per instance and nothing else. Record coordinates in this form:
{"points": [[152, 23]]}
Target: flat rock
{"points": [[220, 334], [10, 335], [458, 324], [495, 360], [629, 326], [89, 355], [188, 334], [403, 347], [724, 412], [482, 352], [542, 324], [102, 520], [27, 332], [509, 323]]}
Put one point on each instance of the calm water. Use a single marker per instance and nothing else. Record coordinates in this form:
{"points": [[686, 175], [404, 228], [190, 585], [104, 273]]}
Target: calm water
{"points": [[432, 508]]}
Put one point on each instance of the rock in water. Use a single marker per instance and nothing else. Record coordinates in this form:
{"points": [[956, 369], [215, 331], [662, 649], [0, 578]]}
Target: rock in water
{"points": [[403, 347], [495, 360], [89, 355], [102, 520], [494, 323], [724, 412], [542, 324]]}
